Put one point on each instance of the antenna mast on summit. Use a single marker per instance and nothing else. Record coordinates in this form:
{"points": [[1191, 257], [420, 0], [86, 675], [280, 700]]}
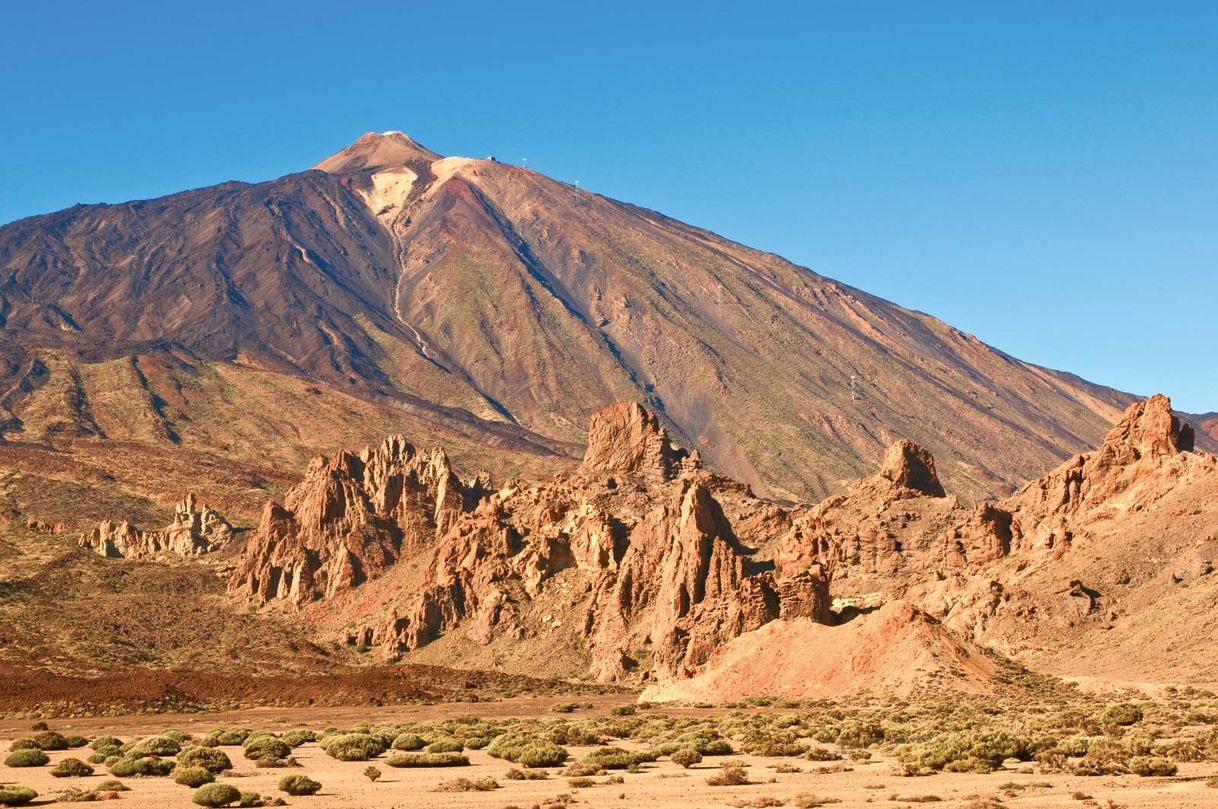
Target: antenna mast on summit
{"points": [[525, 161]]}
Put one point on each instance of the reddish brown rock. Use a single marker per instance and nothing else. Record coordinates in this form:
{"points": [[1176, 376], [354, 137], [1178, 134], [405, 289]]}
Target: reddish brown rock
{"points": [[350, 519], [634, 550], [194, 531], [912, 467], [627, 439]]}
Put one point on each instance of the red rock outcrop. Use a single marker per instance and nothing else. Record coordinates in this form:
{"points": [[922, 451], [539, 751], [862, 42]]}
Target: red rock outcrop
{"points": [[194, 531], [638, 529], [911, 467], [350, 519]]}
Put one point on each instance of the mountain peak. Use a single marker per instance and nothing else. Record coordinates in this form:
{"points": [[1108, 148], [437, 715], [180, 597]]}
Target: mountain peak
{"points": [[376, 150]]}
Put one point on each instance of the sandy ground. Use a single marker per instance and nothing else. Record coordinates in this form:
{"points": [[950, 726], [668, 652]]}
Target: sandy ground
{"points": [[663, 784]]}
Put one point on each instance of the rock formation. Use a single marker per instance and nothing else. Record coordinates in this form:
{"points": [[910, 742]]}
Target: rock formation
{"points": [[638, 527], [350, 519], [194, 531]]}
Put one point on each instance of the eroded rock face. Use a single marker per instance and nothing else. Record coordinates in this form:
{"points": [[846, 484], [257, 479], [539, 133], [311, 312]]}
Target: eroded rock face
{"points": [[350, 519], [636, 540], [626, 439], [194, 531], [912, 467]]}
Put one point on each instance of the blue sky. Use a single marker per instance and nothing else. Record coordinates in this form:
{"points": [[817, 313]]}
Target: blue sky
{"points": [[1044, 175]]}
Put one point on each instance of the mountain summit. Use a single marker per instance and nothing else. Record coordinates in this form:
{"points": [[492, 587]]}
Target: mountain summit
{"points": [[395, 290]]}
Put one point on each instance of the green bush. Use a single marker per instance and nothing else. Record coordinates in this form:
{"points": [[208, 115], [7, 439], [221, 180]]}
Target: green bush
{"points": [[106, 741], [29, 757], [298, 785], [154, 746], [16, 796], [445, 746], [100, 756], [193, 777], [112, 785], [209, 758], [75, 740], [427, 760], [50, 740], [1123, 714], [226, 738], [141, 765], [615, 758], [255, 799], [353, 746], [23, 744], [295, 738], [372, 773], [71, 768], [515, 774], [263, 747], [216, 795], [177, 735], [686, 757], [1147, 766], [622, 710], [409, 742], [527, 749]]}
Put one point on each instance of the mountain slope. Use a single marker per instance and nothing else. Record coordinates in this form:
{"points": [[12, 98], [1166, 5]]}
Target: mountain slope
{"points": [[495, 305]]}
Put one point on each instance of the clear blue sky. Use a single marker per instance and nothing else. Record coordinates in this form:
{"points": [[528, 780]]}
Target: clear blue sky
{"points": [[1044, 175]]}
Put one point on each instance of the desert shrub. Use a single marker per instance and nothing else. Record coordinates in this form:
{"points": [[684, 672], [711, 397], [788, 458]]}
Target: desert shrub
{"points": [[13, 795], [225, 738], [23, 744], [295, 738], [194, 777], [100, 756], [75, 740], [216, 795], [822, 754], [298, 785], [1123, 714], [255, 799], [353, 746], [731, 773], [468, 785], [209, 758], [50, 740], [615, 758], [266, 747], [427, 760], [1147, 766], [445, 746], [28, 757], [140, 765], [177, 735], [111, 785], [967, 751], [526, 774], [475, 742], [622, 710], [580, 783], [570, 707], [71, 768], [526, 749], [106, 741], [686, 757], [153, 746], [808, 801], [408, 742], [372, 773], [859, 734]]}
